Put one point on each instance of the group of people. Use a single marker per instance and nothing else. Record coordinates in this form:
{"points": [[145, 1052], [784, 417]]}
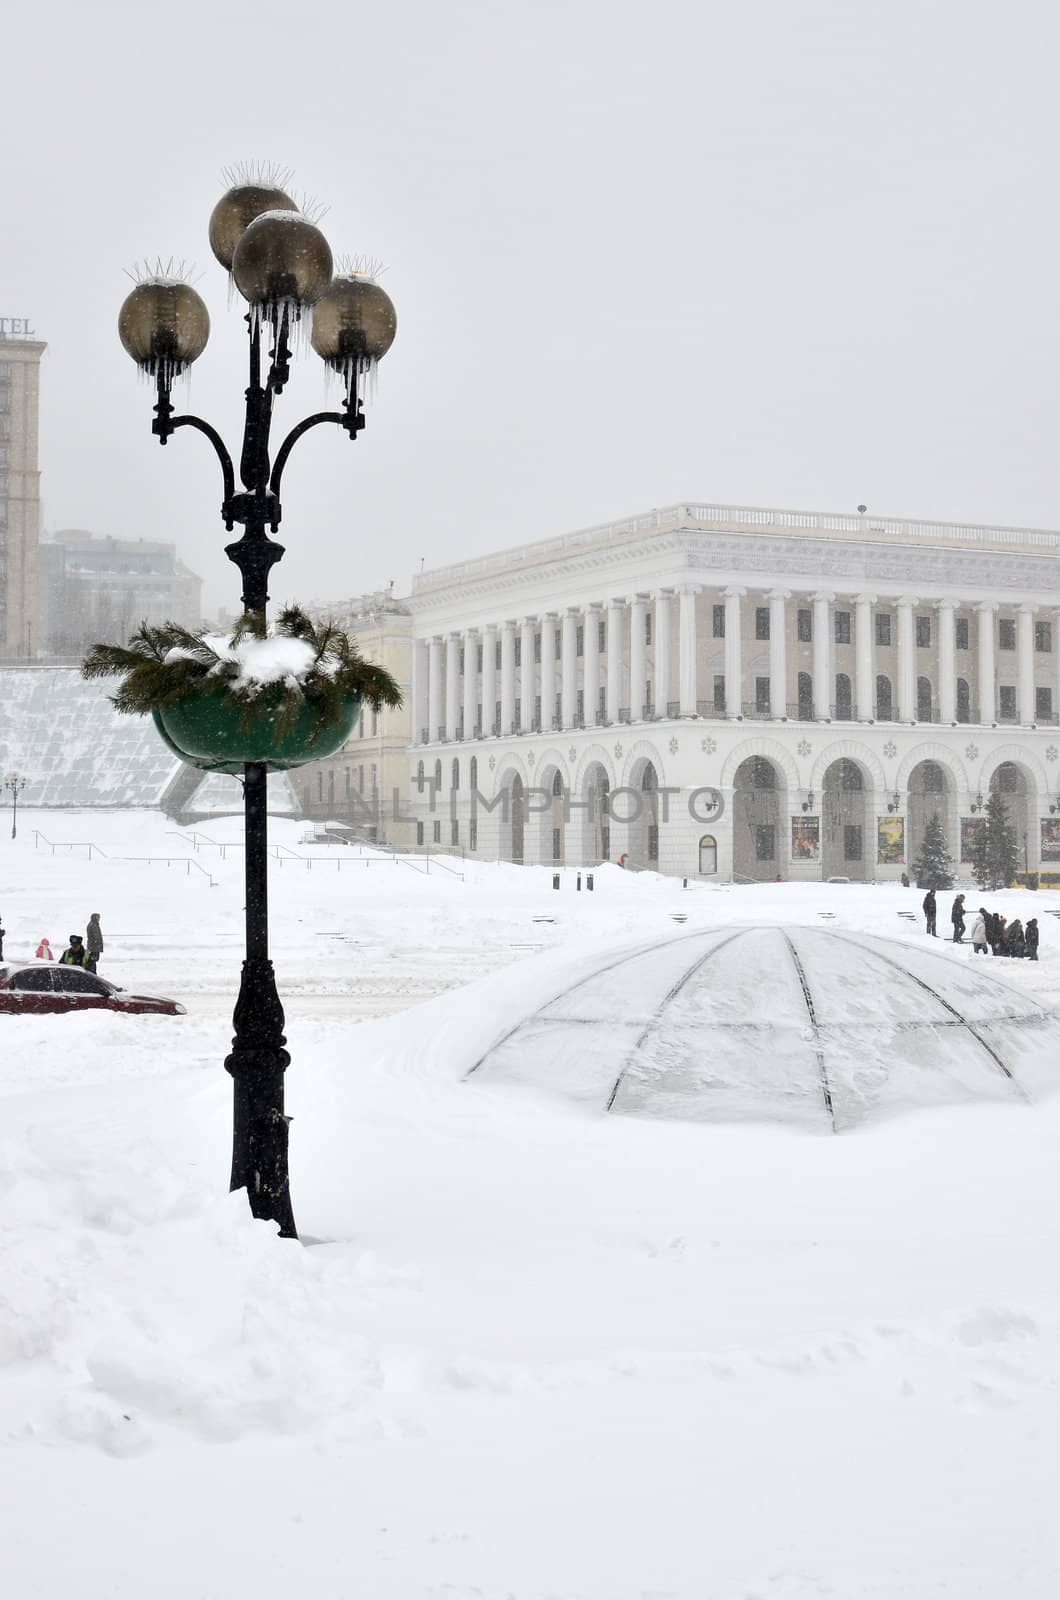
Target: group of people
{"points": [[990, 930], [80, 951]]}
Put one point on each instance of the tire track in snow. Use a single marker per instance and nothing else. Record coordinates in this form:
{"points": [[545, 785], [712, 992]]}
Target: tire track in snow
{"points": [[818, 1044]]}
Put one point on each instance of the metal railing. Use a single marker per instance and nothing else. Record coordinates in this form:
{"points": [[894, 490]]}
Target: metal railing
{"points": [[94, 850]]}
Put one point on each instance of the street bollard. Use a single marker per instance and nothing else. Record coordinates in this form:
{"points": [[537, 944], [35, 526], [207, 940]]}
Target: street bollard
{"points": [[684, 883], [578, 884], [589, 881], [555, 880]]}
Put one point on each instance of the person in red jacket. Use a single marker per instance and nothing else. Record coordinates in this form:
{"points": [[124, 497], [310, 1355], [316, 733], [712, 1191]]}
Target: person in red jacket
{"points": [[44, 951]]}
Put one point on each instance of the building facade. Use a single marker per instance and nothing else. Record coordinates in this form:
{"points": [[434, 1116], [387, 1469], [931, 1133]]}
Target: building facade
{"points": [[20, 357], [95, 588], [364, 784], [740, 694]]}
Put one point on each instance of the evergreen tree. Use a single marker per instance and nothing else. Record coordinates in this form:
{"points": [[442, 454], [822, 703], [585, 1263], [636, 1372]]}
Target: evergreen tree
{"points": [[933, 867], [995, 855]]}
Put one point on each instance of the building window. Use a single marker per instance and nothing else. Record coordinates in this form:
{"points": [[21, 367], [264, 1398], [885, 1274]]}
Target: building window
{"points": [[653, 841], [804, 625], [579, 640], [964, 701], [496, 716], [1043, 705], [537, 711], [719, 622], [557, 843], [708, 855], [438, 776], [960, 633], [419, 778], [923, 633], [1006, 701], [842, 696], [647, 627], [762, 695], [805, 697], [923, 699], [537, 648], [456, 773], [601, 636], [462, 653], [497, 656], [883, 627], [518, 650], [436, 832], [518, 721], [374, 783], [842, 627], [884, 703], [375, 722], [580, 705], [454, 832], [1043, 636], [472, 835], [473, 772], [419, 833], [765, 842], [719, 692], [349, 783], [1006, 633], [360, 779], [601, 702], [331, 786], [320, 786], [761, 624], [480, 656]]}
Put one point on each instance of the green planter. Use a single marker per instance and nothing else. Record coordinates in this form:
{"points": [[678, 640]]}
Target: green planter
{"points": [[215, 733]]}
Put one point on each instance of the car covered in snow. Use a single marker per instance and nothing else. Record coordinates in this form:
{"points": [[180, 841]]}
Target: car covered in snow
{"points": [[39, 986]]}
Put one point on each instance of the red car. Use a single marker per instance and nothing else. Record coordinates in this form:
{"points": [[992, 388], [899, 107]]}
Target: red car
{"points": [[44, 986]]}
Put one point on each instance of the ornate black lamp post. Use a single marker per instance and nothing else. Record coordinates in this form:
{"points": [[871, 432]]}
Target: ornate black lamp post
{"points": [[281, 264], [16, 783]]}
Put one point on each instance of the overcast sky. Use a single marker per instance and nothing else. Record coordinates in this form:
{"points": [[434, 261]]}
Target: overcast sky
{"points": [[787, 253]]}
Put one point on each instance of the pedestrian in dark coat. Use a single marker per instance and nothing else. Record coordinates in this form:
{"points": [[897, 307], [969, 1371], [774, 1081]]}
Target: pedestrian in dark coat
{"points": [[2, 937], [1032, 939], [94, 941], [930, 912], [75, 954], [1000, 928], [1015, 943], [957, 918]]}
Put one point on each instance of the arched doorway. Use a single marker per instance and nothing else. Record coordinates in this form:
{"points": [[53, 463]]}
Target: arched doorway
{"points": [[550, 807], [1017, 790], [758, 812], [511, 818], [846, 826], [595, 831], [930, 793], [644, 822]]}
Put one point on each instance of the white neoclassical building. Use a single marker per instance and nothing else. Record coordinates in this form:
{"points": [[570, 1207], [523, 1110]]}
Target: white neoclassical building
{"points": [[740, 693]]}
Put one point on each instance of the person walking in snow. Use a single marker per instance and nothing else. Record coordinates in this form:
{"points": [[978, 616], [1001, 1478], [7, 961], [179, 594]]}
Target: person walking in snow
{"points": [[44, 951], [94, 941], [75, 954], [1032, 939], [979, 939], [930, 911], [1000, 924], [1015, 943], [2, 937], [957, 918]]}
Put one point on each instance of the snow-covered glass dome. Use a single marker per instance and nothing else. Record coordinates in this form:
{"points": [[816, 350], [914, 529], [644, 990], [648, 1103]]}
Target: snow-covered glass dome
{"points": [[811, 1026]]}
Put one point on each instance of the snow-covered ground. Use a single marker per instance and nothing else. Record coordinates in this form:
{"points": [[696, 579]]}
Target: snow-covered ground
{"points": [[525, 1351]]}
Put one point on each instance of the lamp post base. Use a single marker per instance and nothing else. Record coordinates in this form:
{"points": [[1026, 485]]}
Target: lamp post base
{"points": [[259, 1125]]}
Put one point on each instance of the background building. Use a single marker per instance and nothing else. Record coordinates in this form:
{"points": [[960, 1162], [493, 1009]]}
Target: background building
{"points": [[365, 782], [834, 679], [95, 588], [20, 356]]}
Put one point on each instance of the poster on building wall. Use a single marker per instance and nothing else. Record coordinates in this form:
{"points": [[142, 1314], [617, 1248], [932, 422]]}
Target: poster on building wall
{"points": [[969, 828], [890, 841], [1051, 838], [805, 838]]}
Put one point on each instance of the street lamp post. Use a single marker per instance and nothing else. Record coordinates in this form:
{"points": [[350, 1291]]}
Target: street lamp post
{"points": [[16, 783], [282, 265]]}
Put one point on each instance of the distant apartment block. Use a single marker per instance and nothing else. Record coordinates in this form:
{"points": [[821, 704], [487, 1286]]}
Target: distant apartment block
{"points": [[20, 356], [97, 588]]}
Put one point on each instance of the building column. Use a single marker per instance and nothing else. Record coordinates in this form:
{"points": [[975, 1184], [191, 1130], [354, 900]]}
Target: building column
{"points": [[1025, 665], [470, 682], [906, 661], [663, 690], [864, 658], [733, 653], [548, 669], [452, 684], [947, 658], [527, 675], [489, 679], [435, 710], [507, 678], [637, 657], [778, 652], [569, 667], [985, 664], [687, 648], [591, 662], [616, 640], [420, 712], [823, 686]]}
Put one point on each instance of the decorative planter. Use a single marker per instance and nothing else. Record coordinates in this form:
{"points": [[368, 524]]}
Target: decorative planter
{"points": [[218, 734]]}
